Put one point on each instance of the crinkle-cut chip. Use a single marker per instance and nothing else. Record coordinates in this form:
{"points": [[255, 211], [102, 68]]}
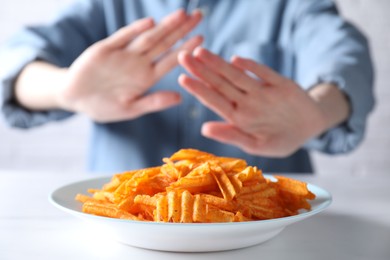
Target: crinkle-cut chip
{"points": [[261, 208], [146, 200], [113, 184], [125, 175], [156, 184], [231, 165], [191, 154], [195, 186], [104, 196], [260, 212], [237, 184], [174, 206], [219, 215], [227, 163], [293, 202], [118, 179], [262, 192], [127, 203], [239, 217], [259, 201], [147, 181], [141, 177], [294, 186], [253, 188], [198, 180], [147, 212], [187, 207], [225, 186], [169, 169], [123, 192], [218, 202], [161, 211], [179, 169], [120, 191], [247, 174], [185, 167], [200, 211], [106, 210], [247, 177], [83, 198]]}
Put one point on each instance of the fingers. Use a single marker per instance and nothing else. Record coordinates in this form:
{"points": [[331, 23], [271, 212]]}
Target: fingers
{"points": [[233, 74], [235, 71], [169, 61], [168, 40], [122, 37], [153, 102], [263, 72], [207, 96], [212, 79], [163, 32], [229, 134]]}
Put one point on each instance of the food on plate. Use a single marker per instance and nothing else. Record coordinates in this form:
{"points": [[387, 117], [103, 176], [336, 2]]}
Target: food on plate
{"points": [[193, 186]]}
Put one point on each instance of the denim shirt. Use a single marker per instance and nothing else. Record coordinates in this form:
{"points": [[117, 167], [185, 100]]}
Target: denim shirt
{"points": [[305, 40]]}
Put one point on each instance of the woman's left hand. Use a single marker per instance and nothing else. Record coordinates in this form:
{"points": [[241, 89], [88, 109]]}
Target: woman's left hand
{"points": [[264, 113]]}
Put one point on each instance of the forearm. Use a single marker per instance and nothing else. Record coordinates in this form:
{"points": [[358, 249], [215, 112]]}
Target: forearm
{"points": [[38, 86], [332, 102]]}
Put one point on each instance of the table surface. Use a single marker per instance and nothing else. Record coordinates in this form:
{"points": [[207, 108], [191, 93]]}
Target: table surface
{"points": [[356, 225]]}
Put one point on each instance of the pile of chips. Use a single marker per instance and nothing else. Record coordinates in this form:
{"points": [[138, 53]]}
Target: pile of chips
{"points": [[198, 187]]}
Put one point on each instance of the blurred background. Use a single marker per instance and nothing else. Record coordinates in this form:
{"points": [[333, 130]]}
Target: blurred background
{"points": [[62, 146]]}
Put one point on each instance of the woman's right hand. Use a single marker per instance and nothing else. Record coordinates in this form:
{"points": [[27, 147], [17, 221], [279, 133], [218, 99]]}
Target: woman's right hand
{"points": [[109, 80]]}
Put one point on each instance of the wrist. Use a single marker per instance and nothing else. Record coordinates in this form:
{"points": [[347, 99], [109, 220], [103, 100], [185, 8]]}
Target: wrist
{"points": [[38, 85], [65, 96], [332, 104]]}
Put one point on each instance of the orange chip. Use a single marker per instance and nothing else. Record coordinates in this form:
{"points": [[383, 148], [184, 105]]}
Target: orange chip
{"points": [[226, 187], [83, 198], [161, 211], [294, 186], [106, 210], [199, 214], [174, 206], [218, 202], [219, 215], [187, 207], [195, 186], [191, 154], [198, 180]]}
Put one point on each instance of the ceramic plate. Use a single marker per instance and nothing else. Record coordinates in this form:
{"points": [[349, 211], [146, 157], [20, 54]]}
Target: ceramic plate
{"points": [[179, 237]]}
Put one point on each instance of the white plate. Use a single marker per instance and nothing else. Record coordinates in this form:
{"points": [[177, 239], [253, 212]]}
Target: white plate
{"points": [[179, 237]]}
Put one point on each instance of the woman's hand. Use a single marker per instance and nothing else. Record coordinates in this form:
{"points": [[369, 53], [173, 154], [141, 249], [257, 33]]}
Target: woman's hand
{"points": [[109, 80], [265, 113]]}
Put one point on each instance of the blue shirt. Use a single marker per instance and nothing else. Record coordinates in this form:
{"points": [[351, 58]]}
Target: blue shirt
{"points": [[305, 40]]}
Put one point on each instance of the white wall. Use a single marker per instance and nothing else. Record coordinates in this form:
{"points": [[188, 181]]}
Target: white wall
{"points": [[62, 146], [58, 146]]}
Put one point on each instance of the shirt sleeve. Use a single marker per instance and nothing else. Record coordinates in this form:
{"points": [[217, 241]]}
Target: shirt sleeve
{"points": [[330, 50], [59, 43]]}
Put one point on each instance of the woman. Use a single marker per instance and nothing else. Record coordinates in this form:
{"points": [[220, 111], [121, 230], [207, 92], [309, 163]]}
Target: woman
{"points": [[300, 78]]}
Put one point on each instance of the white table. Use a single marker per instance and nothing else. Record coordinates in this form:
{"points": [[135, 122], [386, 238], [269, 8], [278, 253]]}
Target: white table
{"points": [[356, 225]]}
